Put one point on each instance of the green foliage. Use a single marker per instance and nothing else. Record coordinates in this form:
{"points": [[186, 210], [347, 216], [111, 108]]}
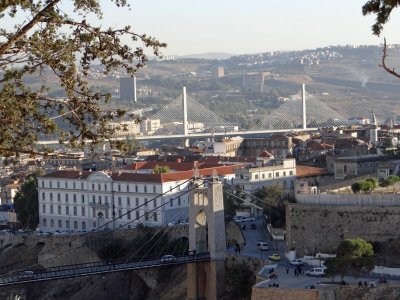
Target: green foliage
{"points": [[56, 39], [239, 279], [390, 180], [161, 169], [352, 256], [366, 185], [26, 203], [231, 203], [382, 9], [273, 204], [356, 187], [132, 145]]}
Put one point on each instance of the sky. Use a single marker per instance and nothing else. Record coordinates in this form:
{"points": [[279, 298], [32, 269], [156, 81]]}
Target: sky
{"points": [[252, 26]]}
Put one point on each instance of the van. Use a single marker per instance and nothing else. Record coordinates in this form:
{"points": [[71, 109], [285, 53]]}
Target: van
{"points": [[318, 272]]}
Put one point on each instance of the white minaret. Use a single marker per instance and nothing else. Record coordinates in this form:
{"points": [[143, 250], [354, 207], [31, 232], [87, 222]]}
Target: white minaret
{"points": [[134, 89], [373, 130]]}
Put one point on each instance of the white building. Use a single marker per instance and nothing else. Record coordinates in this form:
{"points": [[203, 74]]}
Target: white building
{"points": [[82, 201], [225, 147]]}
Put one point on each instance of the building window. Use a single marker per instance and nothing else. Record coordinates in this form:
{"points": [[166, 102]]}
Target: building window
{"points": [[44, 223], [93, 198], [155, 217], [119, 201], [128, 201], [290, 172], [83, 225], [66, 184], [120, 213], [51, 184], [51, 223], [284, 173], [81, 185], [269, 175], [277, 174], [263, 176], [75, 224], [51, 196], [105, 186], [155, 203], [137, 215], [137, 201], [58, 184], [171, 202], [67, 224], [146, 216], [74, 185], [94, 224], [59, 209], [92, 186], [136, 188], [106, 200], [67, 210], [75, 211], [51, 209], [99, 187], [145, 188], [154, 189], [127, 187], [119, 187], [74, 197], [83, 198], [66, 197], [179, 200], [44, 208], [256, 176], [58, 197], [42, 184], [83, 211], [145, 202], [59, 224], [99, 199]]}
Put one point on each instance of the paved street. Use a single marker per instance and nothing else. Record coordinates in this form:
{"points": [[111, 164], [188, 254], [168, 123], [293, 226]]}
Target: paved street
{"points": [[289, 280]]}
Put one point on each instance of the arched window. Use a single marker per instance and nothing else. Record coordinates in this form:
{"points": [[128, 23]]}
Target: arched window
{"points": [[51, 223], [83, 225], [44, 223], [67, 224], [59, 224], [256, 176], [75, 224]]}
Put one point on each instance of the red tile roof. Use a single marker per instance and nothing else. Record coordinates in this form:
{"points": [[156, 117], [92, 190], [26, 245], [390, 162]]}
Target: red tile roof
{"points": [[306, 171], [140, 177]]}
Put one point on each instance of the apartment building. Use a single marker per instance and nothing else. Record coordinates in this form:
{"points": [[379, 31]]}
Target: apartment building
{"points": [[83, 201]]}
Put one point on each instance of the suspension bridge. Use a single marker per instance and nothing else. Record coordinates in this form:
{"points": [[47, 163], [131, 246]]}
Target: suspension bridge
{"points": [[186, 118], [206, 241]]}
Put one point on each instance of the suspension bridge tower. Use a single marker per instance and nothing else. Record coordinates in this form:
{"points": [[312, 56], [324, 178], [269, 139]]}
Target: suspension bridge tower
{"points": [[205, 280]]}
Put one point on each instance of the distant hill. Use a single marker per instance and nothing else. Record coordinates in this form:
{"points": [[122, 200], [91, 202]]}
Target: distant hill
{"points": [[210, 55]]}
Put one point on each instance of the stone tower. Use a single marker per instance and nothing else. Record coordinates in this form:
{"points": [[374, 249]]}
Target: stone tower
{"points": [[205, 280]]}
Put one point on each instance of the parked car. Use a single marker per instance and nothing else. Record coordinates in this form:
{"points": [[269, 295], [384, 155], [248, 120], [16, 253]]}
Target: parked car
{"points": [[318, 272], [167, 258], [264, 246], [253, 226], [275, 257], [248, 219], [260, 242], [297, 262]]}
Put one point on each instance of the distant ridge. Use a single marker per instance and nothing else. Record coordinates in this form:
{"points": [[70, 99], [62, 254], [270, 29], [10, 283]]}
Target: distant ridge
{"points": [[210, 55]]}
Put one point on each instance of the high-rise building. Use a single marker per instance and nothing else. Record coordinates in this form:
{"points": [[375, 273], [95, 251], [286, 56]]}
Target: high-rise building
{"points": [[127, 88], [255, 82]]}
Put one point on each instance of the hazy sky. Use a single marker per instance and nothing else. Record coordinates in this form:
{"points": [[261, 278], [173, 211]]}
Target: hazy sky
{"points": [[252, 26]]}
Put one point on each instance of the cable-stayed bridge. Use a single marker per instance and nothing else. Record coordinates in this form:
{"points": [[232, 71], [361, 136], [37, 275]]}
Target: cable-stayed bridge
{"points": [[186, 118]]}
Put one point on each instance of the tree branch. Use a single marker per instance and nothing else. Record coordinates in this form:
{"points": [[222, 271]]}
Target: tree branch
{"points": [[383, 65], [4, 47]]}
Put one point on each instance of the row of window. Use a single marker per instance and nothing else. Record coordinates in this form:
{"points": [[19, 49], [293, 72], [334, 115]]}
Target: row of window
{"points": [[103, 187], [100, 199], [277, 174], [67, 224], [73, 212]]}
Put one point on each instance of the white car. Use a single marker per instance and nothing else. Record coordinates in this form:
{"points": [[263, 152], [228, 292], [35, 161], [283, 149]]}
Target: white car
{"points": [[264, 246], [297, 262], [318, 272], [167, 258]]}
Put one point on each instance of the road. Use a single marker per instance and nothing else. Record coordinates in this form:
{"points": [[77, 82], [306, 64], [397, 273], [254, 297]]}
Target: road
{"points": [[287, 280]]}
